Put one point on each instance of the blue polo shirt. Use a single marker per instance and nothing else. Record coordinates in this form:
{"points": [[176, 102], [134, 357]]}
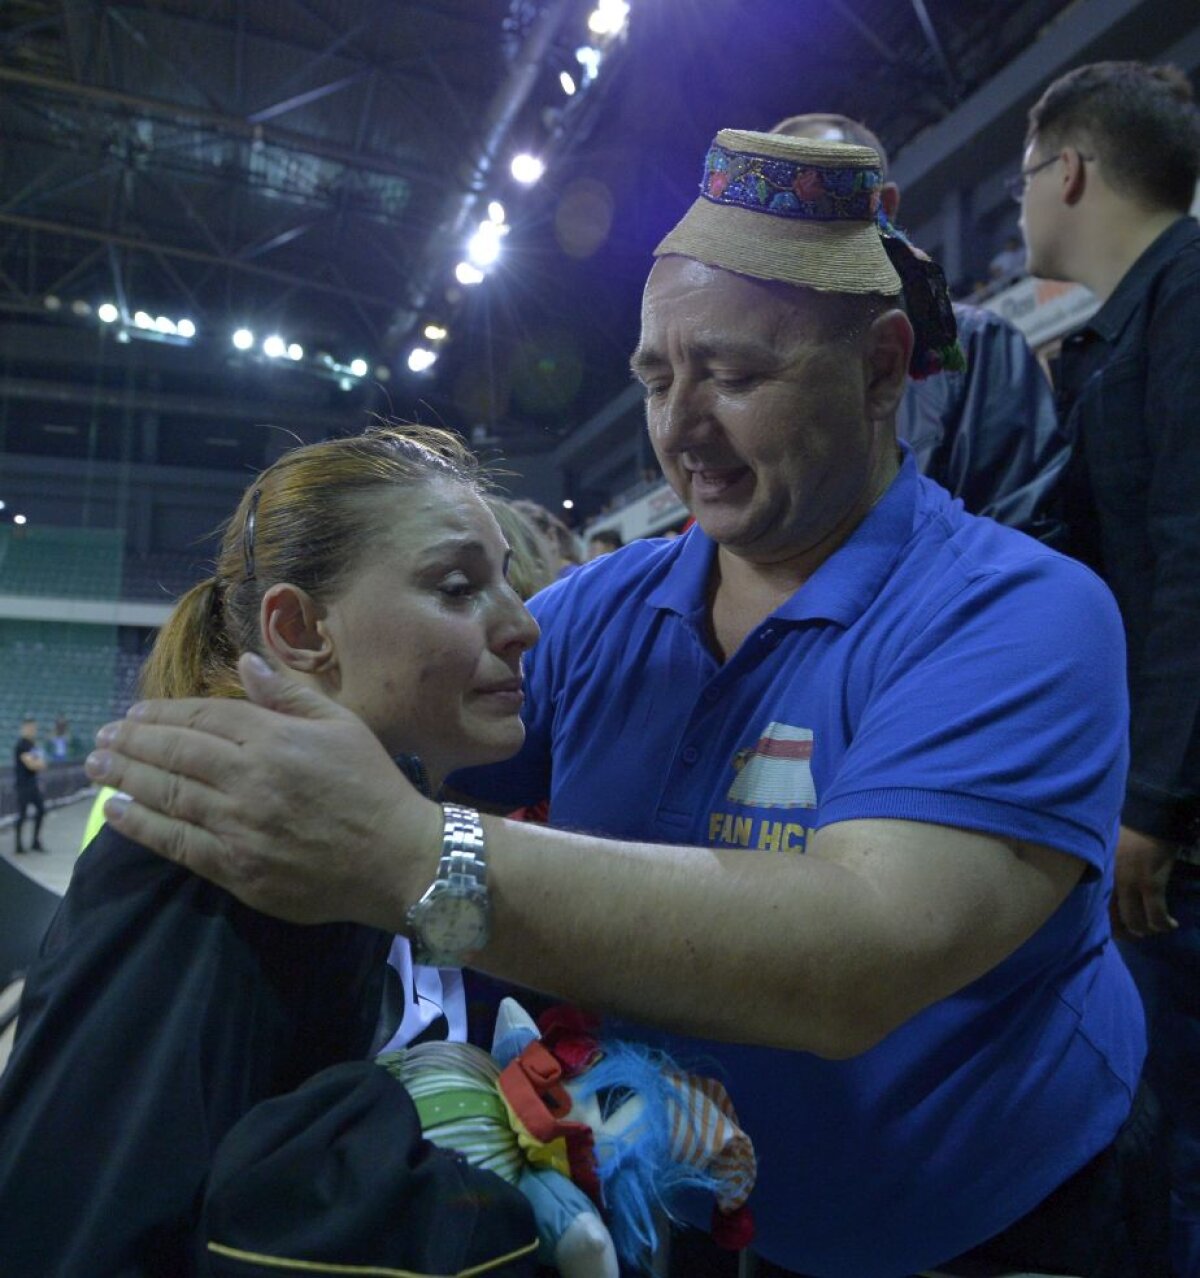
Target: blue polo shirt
{"points": [[937, 668]]}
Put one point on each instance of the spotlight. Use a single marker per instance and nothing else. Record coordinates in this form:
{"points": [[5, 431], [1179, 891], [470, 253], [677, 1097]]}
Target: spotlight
{"points": [[243, 339], [164, 325], [80, 307], [20, 519], [123, 336], [383, 373], [274, 347], [568, 504], [185, 328], [589, 59], [465, 273], [608, 18], [420, 359], [295, 351], [52, 303], [567, 80], [527, 169], [358, 367], [142, 320], [496, 212], [483, 248], [435, 333], [1, 505], [107, 313]]}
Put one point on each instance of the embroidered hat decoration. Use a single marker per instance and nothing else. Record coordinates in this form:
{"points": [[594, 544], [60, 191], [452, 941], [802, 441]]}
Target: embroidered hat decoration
{"points": [[808, 212]]}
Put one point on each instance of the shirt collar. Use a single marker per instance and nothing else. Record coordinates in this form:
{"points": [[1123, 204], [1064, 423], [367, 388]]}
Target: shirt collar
{"points": [[841, 588], [1112, 317]]}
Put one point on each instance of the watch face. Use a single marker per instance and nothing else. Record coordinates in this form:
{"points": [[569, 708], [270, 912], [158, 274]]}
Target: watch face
{"points": [[454, 924]]}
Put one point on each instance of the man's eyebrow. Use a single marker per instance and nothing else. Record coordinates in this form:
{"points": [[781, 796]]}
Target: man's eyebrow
{"points": [[753, 352]]}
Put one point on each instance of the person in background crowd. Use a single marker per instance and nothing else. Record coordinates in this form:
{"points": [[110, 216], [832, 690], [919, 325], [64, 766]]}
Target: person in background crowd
{"points": [[29, 762], [564, 545], [837, 773], [1111, 162], [533, 563], [603, 542], [1009, 263], [990, 434], [160, 1010]]}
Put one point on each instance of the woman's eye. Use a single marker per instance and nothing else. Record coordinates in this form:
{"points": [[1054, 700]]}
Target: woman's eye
{"points": [[457, 588]]}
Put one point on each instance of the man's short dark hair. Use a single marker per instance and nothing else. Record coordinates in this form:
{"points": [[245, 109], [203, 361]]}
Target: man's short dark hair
{"points": [[1139, 121], [607, 537]]}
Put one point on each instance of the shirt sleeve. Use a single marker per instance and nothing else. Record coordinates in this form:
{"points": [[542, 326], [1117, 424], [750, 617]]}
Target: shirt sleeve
{"points": [[1162, 797], [1004, 712]]}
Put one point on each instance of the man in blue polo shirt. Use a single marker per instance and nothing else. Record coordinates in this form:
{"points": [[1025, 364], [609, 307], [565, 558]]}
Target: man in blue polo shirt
{"points": [[922, 1019]]}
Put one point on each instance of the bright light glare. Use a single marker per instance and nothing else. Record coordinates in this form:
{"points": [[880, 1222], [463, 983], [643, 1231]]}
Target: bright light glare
{"points": [[19, 519], [185, 328], [608, 18], [164, 325], [142, 320], [1, 505], [435, 333], [568, 504], [589, 59], [295, 351], [483, 248], [496, 212], [527, 169], [243, 339], [419, 359], [465, 273], [274, 346], [108, 313], [567, 80], [358, 367]]}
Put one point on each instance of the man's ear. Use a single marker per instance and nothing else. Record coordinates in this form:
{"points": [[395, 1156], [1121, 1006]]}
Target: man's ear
{"points": [[291, 628], [1075, 175], [889, 350]]}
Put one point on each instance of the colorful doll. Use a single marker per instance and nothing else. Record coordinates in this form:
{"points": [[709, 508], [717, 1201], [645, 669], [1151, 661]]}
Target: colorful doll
{"points": [[596, 1133]]}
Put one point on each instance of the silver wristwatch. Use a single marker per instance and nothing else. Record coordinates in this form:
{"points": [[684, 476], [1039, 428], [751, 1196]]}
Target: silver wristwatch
{"points": [[452, 919]]}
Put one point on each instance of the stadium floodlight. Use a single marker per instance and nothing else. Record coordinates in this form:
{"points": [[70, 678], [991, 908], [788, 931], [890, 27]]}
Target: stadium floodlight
{"points": [[567, 80], [526, 168], [80, 307], [1, 505], [20, 519], [483, 248], [358, 367], [589, 59], [243, 339], [421, 358], [107, 313], [608, 18], [465, 273], [164, 325], [435, 333], [274, 347], [185, 328], [142, 320], [295, 351], [496, 212], [568, 504]]}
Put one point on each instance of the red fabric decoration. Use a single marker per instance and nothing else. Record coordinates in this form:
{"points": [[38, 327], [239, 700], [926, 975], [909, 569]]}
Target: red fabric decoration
{"points": [[571, 1035], [733, 1230]]}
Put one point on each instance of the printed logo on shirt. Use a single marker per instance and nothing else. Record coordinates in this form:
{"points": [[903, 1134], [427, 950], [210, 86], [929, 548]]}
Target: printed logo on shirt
{"points": [[774, 773], [777, 771]]}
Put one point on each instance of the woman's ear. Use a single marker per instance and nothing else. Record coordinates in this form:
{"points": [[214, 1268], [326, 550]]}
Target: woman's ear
{"points": [[291, 626]]}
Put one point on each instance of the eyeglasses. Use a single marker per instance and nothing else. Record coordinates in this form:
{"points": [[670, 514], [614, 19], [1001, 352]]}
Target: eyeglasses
{"points": [[1017, 185]]}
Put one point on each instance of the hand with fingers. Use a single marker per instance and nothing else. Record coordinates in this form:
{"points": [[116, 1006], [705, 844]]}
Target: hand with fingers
{"points": [[286, 800], [1143, 869]]}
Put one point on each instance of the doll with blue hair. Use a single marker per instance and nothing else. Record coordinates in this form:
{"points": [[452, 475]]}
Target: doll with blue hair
{"points": [[599, 1134]]}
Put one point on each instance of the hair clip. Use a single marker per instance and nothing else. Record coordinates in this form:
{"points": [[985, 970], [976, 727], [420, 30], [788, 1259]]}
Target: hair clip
{"points": [[248, 534]]}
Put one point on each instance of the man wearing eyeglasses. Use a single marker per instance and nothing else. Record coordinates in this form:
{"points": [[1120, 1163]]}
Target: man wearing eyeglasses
{"points": [[1109, 173]]}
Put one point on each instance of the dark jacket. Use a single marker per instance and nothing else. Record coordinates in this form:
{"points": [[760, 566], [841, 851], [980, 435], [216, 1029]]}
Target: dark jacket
{"points": [[159, 1011], [990, 435], [1129, 392]]}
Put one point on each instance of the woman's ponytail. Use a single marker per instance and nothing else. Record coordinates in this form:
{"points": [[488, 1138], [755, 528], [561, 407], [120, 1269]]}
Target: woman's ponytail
{"points": [[192, 655]]}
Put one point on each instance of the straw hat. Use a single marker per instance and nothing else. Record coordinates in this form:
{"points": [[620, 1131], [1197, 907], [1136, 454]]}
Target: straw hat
{"points": [[796, 210]]}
